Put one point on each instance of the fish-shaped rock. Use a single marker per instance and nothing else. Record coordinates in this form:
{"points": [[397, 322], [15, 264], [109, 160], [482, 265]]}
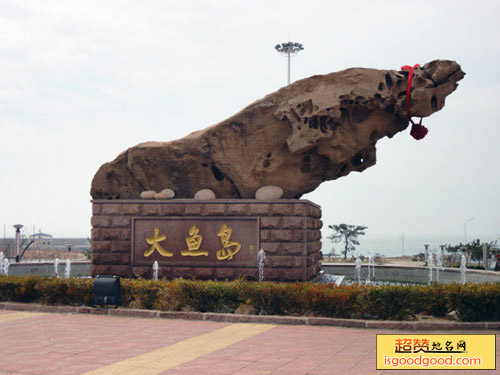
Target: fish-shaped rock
{"points": [[314, 130]]}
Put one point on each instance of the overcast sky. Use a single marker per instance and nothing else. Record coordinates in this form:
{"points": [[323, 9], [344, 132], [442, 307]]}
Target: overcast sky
{"points": [[81, 81]]}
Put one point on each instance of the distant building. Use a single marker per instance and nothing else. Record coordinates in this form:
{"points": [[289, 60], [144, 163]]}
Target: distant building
{"points": [[41, 240]]}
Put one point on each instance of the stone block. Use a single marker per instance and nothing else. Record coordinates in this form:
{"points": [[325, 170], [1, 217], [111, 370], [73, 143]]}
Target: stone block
{"points": [[258, 209], [293, 222], [164, 272], [121, 221], [111, 258], [310, 223], [225, 273], [229, 318], [271, 247], [172, 209], [100, 269], [284, 235], [193, 209], [184, 272], [377, 324], [282, 209], [188, 315], [92, 310], [96, 208], [492, 325], [100, 221], [248, 273], [95, 234], [216, 209], [271, 273], [265, 235], [238, 209], [297, 262], [142, 271], [295, 320], [355, 323], [314, 235], [310, 259], [96, 258], [115, 234], [120, 270], [58, 309], [203, 273], [269, 222], [294, 248], [299, 209], [299, 235], [317, 212], [121, 246], [100, 246], [111, 234], [134, 313], [151, 209], [133, 209], [279, 261], [23, 306], [434, 326], [125, 234], [290, 274], [111, 209], [313, 246]]}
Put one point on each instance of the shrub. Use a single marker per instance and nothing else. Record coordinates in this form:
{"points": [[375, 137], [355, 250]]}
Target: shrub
{"points": [[475, 302]]}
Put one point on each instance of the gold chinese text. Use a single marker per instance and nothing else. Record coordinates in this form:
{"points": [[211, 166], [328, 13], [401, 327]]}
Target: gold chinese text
{"points": [[193, 242], [154, 242], [229, 249]]}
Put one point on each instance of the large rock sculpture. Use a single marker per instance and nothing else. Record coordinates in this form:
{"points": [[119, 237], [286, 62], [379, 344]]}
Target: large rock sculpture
{"points": [[316, 129]]}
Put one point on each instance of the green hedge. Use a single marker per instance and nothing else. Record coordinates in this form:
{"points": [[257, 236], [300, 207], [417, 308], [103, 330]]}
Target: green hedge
{"points": [[475, 302]]}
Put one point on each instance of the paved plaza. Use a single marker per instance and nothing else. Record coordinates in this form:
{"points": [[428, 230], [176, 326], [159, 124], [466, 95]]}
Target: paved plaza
{"points": [[56, 344]]}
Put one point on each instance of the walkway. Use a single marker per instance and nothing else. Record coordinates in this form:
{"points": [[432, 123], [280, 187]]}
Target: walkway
{"points": [[57, 344]]}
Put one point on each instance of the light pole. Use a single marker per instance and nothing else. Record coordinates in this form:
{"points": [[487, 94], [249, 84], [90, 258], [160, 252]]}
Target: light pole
{"points": [[288, 49], [18, 233], [403, 237], [465, 229]]}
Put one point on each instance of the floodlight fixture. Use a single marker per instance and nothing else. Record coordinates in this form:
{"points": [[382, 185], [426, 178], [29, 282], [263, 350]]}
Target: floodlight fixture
{"points": [[289, 49]]}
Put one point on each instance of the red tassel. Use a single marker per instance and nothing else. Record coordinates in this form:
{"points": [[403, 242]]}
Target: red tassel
{"points": [[418, 131]]}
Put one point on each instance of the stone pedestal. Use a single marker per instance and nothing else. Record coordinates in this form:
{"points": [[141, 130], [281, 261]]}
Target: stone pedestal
{"points": [[215, 239]]}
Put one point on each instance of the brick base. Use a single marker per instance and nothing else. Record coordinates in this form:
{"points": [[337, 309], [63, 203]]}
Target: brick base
{"points": [[289, 234]]}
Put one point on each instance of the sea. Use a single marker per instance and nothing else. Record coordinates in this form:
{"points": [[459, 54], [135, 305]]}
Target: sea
{"points": [[394, 246]]}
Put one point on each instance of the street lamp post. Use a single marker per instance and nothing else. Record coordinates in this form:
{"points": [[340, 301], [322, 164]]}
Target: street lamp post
{"points": [[403, 237], [18, 233], [465, 229], [288, 49]]}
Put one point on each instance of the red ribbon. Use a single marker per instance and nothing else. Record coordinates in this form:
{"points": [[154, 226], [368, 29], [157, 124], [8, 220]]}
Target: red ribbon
{"points": [[418, 131]]}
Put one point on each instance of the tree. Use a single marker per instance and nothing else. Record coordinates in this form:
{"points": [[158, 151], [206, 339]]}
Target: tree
{"points": [[473, 249], [347, 233]]}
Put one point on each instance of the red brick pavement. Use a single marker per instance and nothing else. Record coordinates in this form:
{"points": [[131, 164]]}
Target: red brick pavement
{"points": [[57, 344]]}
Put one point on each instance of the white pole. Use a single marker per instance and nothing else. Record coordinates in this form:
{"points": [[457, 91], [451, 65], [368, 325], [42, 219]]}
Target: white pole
{"points": [[465, 229], [403, 244], [288, 67]]}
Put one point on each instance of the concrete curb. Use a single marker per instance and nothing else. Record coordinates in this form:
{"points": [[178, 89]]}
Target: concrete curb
{"points": [[269, 319]]}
